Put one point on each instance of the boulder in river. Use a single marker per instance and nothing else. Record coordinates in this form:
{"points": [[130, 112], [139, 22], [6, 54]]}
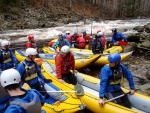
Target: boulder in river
{"points": [[139, 28]]}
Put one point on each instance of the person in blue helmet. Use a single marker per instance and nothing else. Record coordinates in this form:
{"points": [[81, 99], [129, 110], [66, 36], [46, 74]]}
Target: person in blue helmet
{"points": [[111, 78], [86, 37], [21, 101], [7, 57], [74, 38], [117, 37], [61, 42], [31, 73]]}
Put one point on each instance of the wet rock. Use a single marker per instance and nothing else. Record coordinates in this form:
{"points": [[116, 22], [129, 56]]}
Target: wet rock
{"points": [[134, 38], [147, 26], [147, 30], [139, 28], [129, 48], [34, 22], [145, 44]]}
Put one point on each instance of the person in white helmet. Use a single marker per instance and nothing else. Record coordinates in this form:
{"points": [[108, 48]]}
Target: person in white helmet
{"points": [[21, 101], [7, 57], [31, 73], [65, 62]]}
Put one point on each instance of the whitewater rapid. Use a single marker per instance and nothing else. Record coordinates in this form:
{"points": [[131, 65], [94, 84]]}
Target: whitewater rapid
{"points": [[124, 26]]}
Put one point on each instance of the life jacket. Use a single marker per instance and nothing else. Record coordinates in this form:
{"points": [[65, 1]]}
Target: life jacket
{"points": [[31, 45], [98, 46], [62, 43], [86, 38], [31, 72], [68, 37], [117, 77], [103, 41], [32, 107], [6, 56], [81, 40], [4, 96], [67, 63]]}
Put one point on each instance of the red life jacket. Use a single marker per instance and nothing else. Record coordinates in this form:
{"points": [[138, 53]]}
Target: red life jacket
{"points": [[64, 65], [103, 41], [68, 37], [81, 42], [28, 45]]}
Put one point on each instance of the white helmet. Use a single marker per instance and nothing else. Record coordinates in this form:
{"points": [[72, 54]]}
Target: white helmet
{"points": [[65, 49], [10, 76], [4, 43], [100, 34], [67, 32], [31, 51]]}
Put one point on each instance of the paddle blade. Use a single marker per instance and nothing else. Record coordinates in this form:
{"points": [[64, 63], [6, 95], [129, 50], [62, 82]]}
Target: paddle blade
{"points": [[79, 90], [123, 43]]}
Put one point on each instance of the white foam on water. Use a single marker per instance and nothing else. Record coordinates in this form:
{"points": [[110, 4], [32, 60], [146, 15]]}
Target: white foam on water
{"points": [[50, 33]]}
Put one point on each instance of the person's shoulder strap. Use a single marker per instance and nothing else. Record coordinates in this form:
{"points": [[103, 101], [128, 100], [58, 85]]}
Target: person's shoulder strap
{"points": [[122, 70]]}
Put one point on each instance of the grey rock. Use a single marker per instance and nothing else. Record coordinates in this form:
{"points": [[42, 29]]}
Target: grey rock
{"points": [[145, 44], [147, 26], [139, 28], [34, 22], [134, 38]]}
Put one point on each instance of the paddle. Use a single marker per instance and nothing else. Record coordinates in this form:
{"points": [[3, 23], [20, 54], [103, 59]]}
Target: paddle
{"points": [[116, 97], [79, 90]]}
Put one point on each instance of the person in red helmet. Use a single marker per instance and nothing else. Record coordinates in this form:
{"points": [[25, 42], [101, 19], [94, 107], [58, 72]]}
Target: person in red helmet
{"points": [[31, 43]]}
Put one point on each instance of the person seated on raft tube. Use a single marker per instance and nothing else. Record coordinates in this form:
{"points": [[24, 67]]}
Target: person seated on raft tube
{"points": [[31, 73], [21, 101], [31, 43], [80, 42], [74, 37], [7, 58], [68, 36], [65, 62], [116, 38], [98, 43], [111, 76], [86, 37], [60, 42]]}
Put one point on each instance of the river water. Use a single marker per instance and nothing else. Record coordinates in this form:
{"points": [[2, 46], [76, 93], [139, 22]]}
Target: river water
{"points": [[49, 33], [44, 34]]}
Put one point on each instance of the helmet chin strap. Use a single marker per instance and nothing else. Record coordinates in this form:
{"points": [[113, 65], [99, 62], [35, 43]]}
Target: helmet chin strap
{"points": [[31, 58]]}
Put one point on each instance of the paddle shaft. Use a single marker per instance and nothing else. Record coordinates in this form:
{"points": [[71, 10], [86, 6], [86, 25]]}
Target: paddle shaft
{"points": [[57, 91], [116, 97]]}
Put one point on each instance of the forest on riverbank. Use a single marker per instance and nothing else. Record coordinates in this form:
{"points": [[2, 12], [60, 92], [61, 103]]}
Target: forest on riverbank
{"points": [[22, 14]]}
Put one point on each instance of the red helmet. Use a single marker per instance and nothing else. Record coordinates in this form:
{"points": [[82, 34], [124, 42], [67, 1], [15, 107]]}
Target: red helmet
{"points": [[30, 37], [98, 31]]}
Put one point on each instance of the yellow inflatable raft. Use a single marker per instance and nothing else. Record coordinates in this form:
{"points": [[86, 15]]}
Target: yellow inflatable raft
{"points": [[83, 52], [67, 103], [140, 103], [80, 62]]}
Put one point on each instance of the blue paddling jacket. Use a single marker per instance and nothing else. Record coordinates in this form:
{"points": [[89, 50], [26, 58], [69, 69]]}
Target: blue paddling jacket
{"points": [[33, 78], [7, 59], [106, 74], [118, 37], [61, 43], [22, 103]]}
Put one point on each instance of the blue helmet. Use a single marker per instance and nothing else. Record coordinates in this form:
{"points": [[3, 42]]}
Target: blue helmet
{"points": [[115, 57], [64, 36], [75, 32], [84, 32]]}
